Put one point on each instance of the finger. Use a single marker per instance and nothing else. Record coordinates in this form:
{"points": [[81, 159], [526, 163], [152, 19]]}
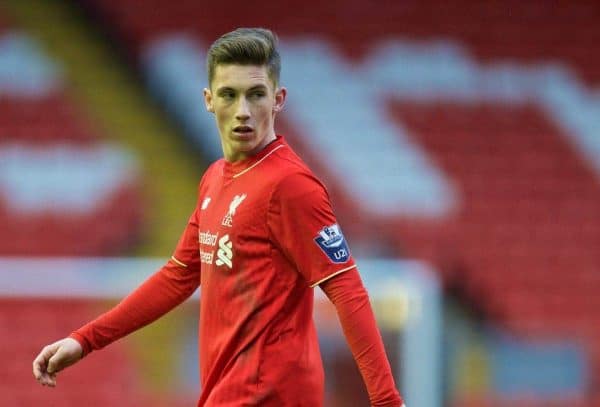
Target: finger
{"points": [[38, 368], [48, 381], [44, 378], [54, 364], [39, 363]]}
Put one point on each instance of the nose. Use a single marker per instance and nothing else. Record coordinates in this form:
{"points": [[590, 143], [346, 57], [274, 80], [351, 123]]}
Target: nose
{"points": [[242, 112]]}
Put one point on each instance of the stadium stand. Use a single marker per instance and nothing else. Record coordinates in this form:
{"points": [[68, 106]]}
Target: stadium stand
{"points": [[59, 180], [532, 211], [520, 243], [57, 177], [108, 380]]}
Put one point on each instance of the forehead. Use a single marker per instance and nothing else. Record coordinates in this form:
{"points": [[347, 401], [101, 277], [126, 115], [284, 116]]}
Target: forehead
{"points": [[240, 76]]}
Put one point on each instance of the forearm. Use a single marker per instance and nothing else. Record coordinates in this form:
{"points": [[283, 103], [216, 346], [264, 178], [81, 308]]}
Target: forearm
{"points": [[163, 291], [360, 329]]}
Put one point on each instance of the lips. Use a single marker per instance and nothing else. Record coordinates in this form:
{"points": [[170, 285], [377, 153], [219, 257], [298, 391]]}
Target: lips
{"points": [[243, 129]]}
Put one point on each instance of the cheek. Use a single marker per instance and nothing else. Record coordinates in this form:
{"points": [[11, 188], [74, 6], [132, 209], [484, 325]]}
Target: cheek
{"points": [[222, 117], [265, 114]]}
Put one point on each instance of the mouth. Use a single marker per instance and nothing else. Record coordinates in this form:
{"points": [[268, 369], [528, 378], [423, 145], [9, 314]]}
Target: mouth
{"points": [[243, 131]]}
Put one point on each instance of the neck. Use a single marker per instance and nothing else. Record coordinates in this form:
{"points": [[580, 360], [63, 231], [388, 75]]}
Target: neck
{"points": [[234, 156]]}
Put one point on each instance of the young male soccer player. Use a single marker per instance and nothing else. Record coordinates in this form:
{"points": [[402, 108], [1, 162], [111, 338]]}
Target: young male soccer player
{"points": [[261, 237]]}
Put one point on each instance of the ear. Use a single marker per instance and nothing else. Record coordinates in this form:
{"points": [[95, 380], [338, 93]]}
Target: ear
{"points": [[280, 95], [208, 100]]}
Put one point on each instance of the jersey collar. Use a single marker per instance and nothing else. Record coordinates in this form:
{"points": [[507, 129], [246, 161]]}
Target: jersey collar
{"points": [[238, 168]]}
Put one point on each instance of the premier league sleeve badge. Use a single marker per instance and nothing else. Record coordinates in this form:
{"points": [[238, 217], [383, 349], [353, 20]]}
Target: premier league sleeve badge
{"points": [[331, 241]]}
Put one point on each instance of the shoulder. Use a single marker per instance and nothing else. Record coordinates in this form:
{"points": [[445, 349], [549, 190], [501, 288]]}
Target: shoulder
{"points": [[295, 178], [209, 174], [297, 185], [215, 168]]}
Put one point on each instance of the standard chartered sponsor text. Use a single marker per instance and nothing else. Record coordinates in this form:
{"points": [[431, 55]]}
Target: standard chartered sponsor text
{"points": [[208, 238], [207, 257]]}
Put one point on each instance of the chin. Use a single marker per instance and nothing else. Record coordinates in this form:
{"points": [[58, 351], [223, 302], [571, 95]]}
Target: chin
{"points": [[246, 145]]}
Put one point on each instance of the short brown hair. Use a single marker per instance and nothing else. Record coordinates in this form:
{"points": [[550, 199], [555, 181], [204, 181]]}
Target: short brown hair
{"points": [[245, 46]]}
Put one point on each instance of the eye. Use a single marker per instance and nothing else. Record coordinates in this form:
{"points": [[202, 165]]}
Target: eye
{"points": [[257, 94], [227, 95]]}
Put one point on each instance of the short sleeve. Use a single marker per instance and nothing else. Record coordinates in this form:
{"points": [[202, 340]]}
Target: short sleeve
{"points": [[302, 224]]}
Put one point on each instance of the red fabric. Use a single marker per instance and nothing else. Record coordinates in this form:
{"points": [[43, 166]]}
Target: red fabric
{"points": [[163, 291], [258, 344], [351, 300], [262, 235]]}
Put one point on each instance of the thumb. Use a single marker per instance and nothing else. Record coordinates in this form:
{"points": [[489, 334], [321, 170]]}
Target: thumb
{"points": [[59, 360], [54, 364], [69, 351]]}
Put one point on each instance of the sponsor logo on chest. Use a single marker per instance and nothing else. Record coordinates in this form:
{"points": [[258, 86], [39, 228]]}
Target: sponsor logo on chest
{"points": [[225, 252], [209, 240]]}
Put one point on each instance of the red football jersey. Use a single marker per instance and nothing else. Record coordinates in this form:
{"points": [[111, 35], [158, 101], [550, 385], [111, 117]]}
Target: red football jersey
{"points": [[262, 236]]}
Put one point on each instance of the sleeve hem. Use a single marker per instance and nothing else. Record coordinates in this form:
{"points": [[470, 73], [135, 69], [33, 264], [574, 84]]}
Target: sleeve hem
{"points": [[83, 342], [332, 275]]}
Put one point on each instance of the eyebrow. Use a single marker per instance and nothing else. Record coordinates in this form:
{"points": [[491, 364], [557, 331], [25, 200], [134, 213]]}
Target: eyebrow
{"points": [[225, 89], [257, 87], [229, 88]]}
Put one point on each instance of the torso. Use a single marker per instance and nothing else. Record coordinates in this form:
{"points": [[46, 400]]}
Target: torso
{"points": [[258, 345]]}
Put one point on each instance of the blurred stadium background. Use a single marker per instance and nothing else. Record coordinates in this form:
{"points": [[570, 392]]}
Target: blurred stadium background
{"points": [[460, 142]]}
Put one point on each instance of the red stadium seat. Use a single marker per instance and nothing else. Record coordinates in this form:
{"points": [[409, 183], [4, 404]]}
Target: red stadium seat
{"points": [[110, 378], [48, 122]]}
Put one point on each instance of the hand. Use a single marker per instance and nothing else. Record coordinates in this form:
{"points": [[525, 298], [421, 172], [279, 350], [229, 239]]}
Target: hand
{"points": [[54, 358]]}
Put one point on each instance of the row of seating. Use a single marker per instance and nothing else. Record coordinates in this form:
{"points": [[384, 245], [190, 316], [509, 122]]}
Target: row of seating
{"points": [[107, 379], [63, 189], [526, 242], [492, 30]]}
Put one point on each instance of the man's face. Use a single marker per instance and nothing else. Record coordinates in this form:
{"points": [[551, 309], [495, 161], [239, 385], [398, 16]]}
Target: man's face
{"points": [[244, 101]]}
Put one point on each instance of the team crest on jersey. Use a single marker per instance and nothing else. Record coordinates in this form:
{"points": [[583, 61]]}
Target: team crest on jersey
{"points": [[235, 202], [331, 240]]}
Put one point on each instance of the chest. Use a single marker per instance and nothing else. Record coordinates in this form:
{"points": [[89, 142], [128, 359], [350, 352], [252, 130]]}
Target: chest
{"points": [[233, 226]]}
